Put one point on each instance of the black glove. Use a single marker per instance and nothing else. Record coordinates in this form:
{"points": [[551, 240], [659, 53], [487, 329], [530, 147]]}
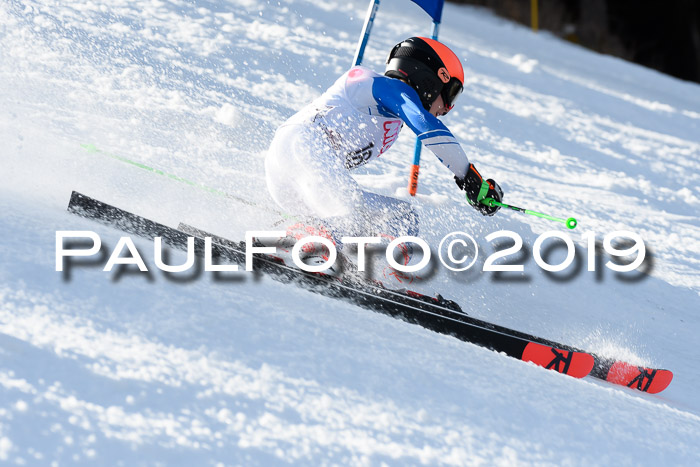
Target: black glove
{"points": [[477, 189]]}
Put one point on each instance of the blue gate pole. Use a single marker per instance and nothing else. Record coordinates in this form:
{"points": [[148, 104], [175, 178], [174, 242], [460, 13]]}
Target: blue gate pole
{"points": [[366, 29], [413, 178]]}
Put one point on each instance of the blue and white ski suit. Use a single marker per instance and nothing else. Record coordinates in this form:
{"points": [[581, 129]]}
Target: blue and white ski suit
{"points": [[356, 120]]}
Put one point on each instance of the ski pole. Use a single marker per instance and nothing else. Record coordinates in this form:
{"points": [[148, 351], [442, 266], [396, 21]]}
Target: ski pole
{"points": [[569, 222], [92, 149]]}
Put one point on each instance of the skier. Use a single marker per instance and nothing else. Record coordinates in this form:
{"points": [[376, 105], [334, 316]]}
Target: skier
{"points": [[355, 121]]}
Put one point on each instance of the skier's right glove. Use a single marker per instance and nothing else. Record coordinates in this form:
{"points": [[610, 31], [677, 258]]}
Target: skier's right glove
{"points": [[476, 189]]}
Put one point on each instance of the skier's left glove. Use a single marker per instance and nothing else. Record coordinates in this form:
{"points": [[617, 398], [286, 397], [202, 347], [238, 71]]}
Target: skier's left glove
{"points": [[476, 189]]}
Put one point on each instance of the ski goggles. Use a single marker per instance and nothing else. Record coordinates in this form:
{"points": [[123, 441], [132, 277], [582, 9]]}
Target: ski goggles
{"points": [[450, 92]]}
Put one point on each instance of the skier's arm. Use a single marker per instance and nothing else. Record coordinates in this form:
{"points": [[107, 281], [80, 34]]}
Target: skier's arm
{"points": [[399, 99]]}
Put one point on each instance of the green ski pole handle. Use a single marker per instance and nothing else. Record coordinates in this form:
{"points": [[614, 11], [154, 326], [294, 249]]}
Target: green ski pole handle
{"points": [[570, 223]]}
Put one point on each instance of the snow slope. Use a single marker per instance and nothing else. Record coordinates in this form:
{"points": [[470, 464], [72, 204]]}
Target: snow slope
{"points": [[135, 368]]}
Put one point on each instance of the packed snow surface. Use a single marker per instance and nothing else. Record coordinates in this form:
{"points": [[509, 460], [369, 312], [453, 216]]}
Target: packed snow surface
{"points": [[166, 109]]}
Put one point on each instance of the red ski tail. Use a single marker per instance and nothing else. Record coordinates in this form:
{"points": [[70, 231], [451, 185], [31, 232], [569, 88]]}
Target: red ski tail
{"points": [[644, 379]]}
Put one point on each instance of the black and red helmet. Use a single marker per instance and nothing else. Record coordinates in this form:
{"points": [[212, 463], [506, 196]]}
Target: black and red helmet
{"points": [[429, 67]]}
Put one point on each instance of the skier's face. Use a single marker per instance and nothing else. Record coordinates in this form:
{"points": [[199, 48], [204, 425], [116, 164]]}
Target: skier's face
{"points": [[438, 108]]}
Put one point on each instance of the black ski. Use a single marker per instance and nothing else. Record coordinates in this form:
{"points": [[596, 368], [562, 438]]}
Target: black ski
{"points": [[434, 313]]}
